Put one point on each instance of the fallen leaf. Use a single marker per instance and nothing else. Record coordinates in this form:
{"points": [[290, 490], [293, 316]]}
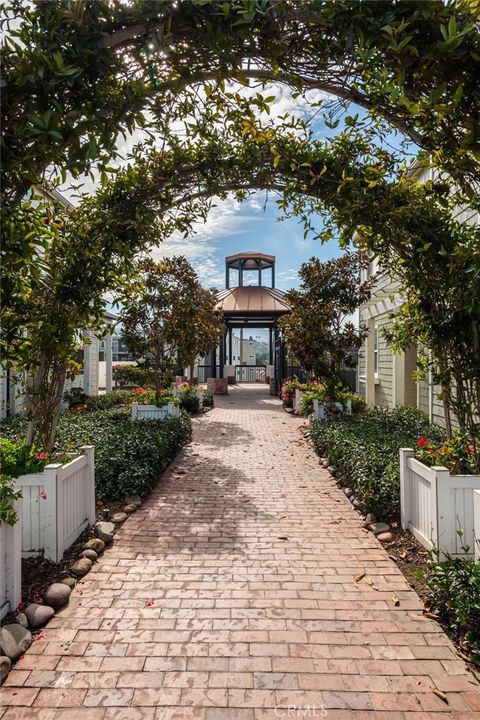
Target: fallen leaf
{"points": [[282, 537], [396, 600], [359, 577], [440, 694], [430, 615], [403, 554], [370, 582]]}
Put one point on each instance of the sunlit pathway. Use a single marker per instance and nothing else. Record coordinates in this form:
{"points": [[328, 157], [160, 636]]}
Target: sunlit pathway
{"points": [[231, 594]]}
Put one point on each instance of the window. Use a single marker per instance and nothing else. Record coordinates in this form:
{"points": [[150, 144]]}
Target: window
{"points": [[372, 267], [375, 351]]}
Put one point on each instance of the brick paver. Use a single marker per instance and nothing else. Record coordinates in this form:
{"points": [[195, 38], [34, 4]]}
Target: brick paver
{"points": [[231, 595]]}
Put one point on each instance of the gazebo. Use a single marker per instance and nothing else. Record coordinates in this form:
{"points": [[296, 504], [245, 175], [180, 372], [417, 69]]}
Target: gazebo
{"points": [[246, 304]]}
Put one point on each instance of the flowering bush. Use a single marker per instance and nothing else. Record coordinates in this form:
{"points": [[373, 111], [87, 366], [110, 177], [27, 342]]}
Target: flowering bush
{"points": [[459, 454], [17, 459], [8, 495], [329, 397], [146, 396], [288, 391]]}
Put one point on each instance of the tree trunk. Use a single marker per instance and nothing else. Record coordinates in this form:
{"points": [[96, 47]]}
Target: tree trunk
{"points": [[45, 392]]}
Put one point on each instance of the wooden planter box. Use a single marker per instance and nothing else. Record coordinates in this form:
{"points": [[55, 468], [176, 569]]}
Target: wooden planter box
{"points": [[438, 508], [57, 505], [152, 412], [11, 563]]}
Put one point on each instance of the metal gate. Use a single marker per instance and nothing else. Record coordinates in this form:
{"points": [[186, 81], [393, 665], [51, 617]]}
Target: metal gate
{"points": [[250, 373]]}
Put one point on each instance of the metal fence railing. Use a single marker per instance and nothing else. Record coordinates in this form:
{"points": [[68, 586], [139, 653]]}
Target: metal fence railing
{"points": [[250, 373]]}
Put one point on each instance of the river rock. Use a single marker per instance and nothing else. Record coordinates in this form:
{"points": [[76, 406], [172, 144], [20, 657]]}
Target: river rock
{"points": [[68, 581], [379, 527], [133, 500], [5, 665], [104, 531], [38, 615], [129, 509], [356, 503], [384, 536], [119, 517], [348, 491], [14, 640], [95, 544], [90, 554], [332, 470], [21, 619], [370, 518], [57, 595], [81, 567]]}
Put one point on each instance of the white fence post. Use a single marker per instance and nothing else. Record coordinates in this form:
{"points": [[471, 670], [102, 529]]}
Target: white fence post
{"points": [[405, 487], [445, 513], [11, 563], [89, 451], [48, 512], [476, 523], [134, 410]]}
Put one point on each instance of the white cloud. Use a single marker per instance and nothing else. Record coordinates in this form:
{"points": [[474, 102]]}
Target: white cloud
{"points": [[202, 249]]}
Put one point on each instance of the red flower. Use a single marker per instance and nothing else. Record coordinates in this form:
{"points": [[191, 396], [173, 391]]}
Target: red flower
{"points": [[138, 391], [421, 442], [470, 449]]}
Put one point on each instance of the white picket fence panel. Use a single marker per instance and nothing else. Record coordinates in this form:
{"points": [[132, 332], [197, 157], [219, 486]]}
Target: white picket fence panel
{"points": [[476, 522], [58, 504], [152, 412], [437, 507], [11, 563]]}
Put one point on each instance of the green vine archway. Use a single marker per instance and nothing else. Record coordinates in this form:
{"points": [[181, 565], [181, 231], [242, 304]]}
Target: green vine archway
{"points": [[350, 181], [77, 75]]}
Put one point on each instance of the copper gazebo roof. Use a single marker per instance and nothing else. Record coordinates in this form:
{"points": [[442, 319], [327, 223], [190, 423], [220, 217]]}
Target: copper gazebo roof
{"points": [[252, 300]]}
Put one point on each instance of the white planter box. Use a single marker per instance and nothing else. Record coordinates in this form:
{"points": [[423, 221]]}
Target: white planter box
{"points": [[296, 401], [57, 505], [320, 411], [152, 412], [436, 507], [11, 563]]}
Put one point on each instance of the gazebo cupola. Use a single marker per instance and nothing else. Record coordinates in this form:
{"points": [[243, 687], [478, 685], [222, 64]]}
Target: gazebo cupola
{"points": [[245, 265]]}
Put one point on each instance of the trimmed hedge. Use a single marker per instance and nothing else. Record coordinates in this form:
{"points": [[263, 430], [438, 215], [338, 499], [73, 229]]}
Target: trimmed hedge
{"points": [[364, 449], [455, 587], [129, 454]]}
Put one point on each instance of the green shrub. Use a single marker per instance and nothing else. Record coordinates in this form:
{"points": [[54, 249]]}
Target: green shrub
{"points": [[364, 448], [129, 454], [455, 588], [207, 399], [132, 375], [8, 495], [75, 396], [109, 400]]}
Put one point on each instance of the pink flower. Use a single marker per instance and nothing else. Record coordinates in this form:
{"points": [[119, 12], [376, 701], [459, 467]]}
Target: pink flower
{"points": [[42, 495], [41, 456], [149, 602]]}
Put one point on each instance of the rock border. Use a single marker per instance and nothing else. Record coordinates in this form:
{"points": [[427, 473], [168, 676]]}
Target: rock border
{"points": [[16, 638]]}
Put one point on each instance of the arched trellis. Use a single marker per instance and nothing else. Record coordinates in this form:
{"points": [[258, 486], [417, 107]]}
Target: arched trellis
{"points": [[349, 178], [414, 63]]}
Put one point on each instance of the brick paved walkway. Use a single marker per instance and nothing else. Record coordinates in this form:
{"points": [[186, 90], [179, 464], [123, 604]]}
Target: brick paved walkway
{"points": [[231, 593]]}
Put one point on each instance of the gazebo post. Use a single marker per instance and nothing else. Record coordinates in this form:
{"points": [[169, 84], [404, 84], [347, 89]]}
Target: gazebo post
{"points": [[230, 352], [270, 353]]}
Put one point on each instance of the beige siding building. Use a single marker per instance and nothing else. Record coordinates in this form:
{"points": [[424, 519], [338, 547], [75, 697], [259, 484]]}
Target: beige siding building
{"points": [[386, 379]]}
